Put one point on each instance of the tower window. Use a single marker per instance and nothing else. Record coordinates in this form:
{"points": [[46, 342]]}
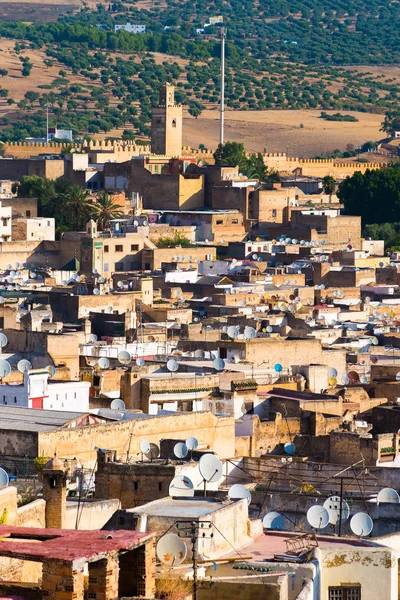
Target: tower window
{"points": [[173, 122]]}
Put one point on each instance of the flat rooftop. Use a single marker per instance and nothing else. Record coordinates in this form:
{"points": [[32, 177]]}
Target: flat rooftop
{"points": [[35, 419], [190, 508], [65, 544]]}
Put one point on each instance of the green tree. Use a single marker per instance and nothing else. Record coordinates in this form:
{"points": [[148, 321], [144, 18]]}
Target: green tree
{"points": [[391, 122], [104, 210], [231, 154], [78, 206], [329, 184]]}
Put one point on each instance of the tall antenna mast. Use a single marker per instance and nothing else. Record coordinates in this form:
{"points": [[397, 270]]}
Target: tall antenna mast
{"points": [[222, 103]]}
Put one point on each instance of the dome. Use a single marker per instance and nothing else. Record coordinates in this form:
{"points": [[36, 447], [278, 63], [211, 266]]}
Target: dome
{"points": [[54, 464]]}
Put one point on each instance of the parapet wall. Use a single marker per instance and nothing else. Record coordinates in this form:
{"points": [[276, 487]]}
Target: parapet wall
{"points": [[26, 149]]}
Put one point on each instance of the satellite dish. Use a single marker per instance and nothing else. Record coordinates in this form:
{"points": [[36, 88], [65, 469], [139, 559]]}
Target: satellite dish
{"points": [[397, 375], [317, 516], [117, 404], [171, 550], [101, 280], [51, 370], [210, 468], [103, 363], [181, 485], [381, 264], [274, 520], [332, 372], [5, 368], [199, 354], [1, 300], [388, 495], [180, 450], [95, 271], [172, 365], [233, 332], [237, 491], [140, 362], [3, 340], [144, 447], [192, 443], [124, 357], [254, 256], [120, 284], [278, 368], [345, 379], [332, 505], [96, 291], [219, 364], [250, 333], [363, 379], [269, 329], [154, 451], [93, 337], [289, 448], [4, 479], [24, 366], [361, 524]]}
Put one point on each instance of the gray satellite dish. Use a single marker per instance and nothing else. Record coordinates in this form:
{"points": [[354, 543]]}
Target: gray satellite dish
{"points": [[1, 300], [274, 520], [388, 495], [398, 376], [24, 365], [181, 485], [5, 368], [199, 353], [219, 364], [192, 443], [96, 291], [172, 365], [237, 492], [180, 450], [154, 451], [210, 468], [269, 329], [361, 524], [124, 357], [171, 550], [317, 516], [363, 379], [95, 271], [51, 370], [3, 340], [249, 333], [345, 379], [140, 362], [332, 505], [332, 372], [102, 280], [120, 284], [233, 332], [103, 363], [93, 337], [117, 404], [4, 479], [144, 447]]}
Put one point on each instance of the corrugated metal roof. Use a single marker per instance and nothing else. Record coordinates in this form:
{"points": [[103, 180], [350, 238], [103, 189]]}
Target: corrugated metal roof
{"points": [[34, 419]]}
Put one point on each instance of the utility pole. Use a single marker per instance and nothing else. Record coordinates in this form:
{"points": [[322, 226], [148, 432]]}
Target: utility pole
{"points": [[196, 530], [222, 102]]}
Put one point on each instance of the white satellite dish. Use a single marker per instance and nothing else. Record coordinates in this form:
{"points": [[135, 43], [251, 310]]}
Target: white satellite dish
{"points": [[124, 357], [237, 492], [345, 379], [274, 520], [51, 370], [120, 284], [103, 363], [250, 333], [219, 364], [317, 516], [199, 353], [4, 479], [181, 485], [93, 337], [117, 404], [332, 505], [144, 447], [5, 368], [233, 332], [140, 362], [361, 524], [3, 340], [388, 495], [24, 366], [172, 365], [171, 550], [180, 450], [210, 468], [332, 372], [192, 443]]}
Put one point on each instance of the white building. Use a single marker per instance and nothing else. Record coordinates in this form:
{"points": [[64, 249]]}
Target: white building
{"points": [[36, 228], [5, 223], [38, 392], [130, 28], [59, 134]]}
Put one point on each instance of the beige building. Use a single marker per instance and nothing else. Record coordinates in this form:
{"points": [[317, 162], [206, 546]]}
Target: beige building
{"points": [[35, 229], [166, 124]]}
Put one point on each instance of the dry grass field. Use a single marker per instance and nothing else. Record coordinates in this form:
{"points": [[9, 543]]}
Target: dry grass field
{"points": [[32, 11], [280, 131]]}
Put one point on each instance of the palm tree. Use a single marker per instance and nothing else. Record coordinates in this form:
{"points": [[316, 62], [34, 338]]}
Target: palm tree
{"points": [[78, 207], [105, 210]]}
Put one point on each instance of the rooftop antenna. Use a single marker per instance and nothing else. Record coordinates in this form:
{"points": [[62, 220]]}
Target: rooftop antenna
{"points": [[222, 105]]}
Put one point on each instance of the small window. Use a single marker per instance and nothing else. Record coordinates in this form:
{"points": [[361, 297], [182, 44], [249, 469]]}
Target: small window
{"points": [[160, 486], [105, 267], [92, 579], [134, 247], [48, 223], [134, 266], [136, 485], [74, 394], [173, 122], [92, 595], [105, 248], [273, 212], [235, 222], [119, 266], [156, 169], [119, 248], [69, 588], [28, 213], [345, 592], [219, 222], [15, 399]]}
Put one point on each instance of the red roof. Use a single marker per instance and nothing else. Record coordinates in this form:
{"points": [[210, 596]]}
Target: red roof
{"points": [[66, 544]]}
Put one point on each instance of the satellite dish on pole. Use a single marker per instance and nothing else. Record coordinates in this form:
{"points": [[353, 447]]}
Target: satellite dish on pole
{"points": [[154, 451], [332, 372], [388, 495], [192, 443], [140, 362], [117, 404], [4, 479], [317, 516], [180, 450], [171, 550], [24, 366], [250, 333], [199, 354], [51, 370], [361, 524], [233, 332], [332, 505], [144, 447], [103, 363], [210, 468], [5, 368], [181, 485], [172, 365], [219, 364], [274, 520], [237, 492], [124, 357], [3, 340], [289, 448]]}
